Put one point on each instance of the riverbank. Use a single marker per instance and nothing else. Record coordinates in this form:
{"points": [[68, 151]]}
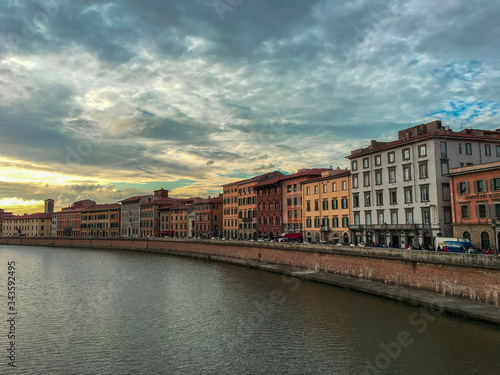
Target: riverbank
{"points": [[459, 284]]}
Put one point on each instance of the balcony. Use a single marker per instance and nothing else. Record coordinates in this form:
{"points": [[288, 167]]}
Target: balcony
{"points": [[325, 228], [247, 219]]}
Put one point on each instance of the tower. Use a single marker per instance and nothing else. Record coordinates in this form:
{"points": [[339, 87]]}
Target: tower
{"points": [[49, 206]]}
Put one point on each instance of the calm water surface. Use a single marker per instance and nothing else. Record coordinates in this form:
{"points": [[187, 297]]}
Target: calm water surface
{"points": [[113, 312]]}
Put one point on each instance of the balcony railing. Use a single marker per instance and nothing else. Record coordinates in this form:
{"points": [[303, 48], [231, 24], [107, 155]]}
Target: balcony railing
{"points": [[247, 219], [325, 228]]}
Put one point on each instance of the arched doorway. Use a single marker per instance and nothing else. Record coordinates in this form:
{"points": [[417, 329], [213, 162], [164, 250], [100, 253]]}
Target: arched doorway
{"points": [[346, 238], [427, 239], [317, 238], [466, 235], [309, 238], [485, 241], [271, 236]]}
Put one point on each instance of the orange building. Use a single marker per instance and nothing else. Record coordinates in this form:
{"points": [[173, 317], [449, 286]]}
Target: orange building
{"points": [[208, 217], [3, 215], [325, 207], [475, 198], [230, 210], [34, 225], [69, 219], [292, 198], [179, 220], [102, 220]]}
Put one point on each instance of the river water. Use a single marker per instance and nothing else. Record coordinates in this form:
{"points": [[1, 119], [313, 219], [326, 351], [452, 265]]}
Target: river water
{"points": [[116, 312]]}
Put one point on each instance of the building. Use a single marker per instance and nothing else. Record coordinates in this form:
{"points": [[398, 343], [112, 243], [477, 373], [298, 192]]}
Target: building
{"points": [[130, 223], [208, 217], [49, 206], [325, 207], [475, 198], [3, 215], [102, 220], [400, 190], [53, 227], [69, 219], [180, 220], [34, 225], [230, 210], [291, 202], [269, 211]]}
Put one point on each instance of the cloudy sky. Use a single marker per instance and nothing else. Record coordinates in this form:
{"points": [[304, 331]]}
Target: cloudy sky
{"points": [[109, 99]]}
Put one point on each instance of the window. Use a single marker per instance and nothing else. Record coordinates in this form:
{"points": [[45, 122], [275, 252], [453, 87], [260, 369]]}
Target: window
{"points": [[426, 216], [334, 186], [495, 184], [308, 205], [345, 222], [482, 211], [366, 162], [424, 193], [308, 222], [368, 200], [366, 179], [335, 222], [355, 181], [325, 186], [316, 205], [335, 203], [380, 197], [391, 157], [315, 189], [409, 216], [447, 215], [468, 149], [378, 177], [407, 172], [463, 188], [354, 165], [393, 197], [460, 148], [356, 218], [392, 174], [487, 150], [498, 150], [345, 203], [394, 216], [289, 188], [408, 195], [380, 217], [422, 150], [444, 153], [368, 218], [406, 154], [495, 210], [355, 200], [325, 204], [480, 186], [422, 170], [308, 190], [446, 192], [378, 160], [444, 168], [464, 212]]}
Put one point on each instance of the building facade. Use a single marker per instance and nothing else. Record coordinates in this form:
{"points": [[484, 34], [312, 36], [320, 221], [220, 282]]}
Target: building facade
{"points": [[208, 215], [291, 202], [101, 221], [3, 215], [401, 191], [475, 197], [269, 211], [130, 224], [325, 207], [34, 225], [69, 219], [180, 220], [230, 210]]}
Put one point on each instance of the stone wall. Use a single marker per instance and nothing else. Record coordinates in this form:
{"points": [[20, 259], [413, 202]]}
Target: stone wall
{"points": [[468, 276]]}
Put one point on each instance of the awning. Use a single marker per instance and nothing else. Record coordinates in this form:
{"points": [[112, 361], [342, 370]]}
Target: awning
{"points": [[166, 232], [293, 235]]}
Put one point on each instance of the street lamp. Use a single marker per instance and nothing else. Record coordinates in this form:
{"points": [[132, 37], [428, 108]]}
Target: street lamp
{"points": [[494, 227]]}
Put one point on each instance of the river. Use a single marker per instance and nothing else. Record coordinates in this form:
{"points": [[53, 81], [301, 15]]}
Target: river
{"points": [[81, 311]]}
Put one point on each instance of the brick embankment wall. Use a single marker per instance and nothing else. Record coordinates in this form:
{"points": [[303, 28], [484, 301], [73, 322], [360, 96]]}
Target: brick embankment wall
{"points": [[468, 276]]}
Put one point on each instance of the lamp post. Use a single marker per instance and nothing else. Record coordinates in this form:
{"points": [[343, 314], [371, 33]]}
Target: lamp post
{"points": [[494, 227]]}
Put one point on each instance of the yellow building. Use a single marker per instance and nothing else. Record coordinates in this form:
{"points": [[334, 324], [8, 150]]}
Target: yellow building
{"points": [[102, 220], [325, 207], [34, 225]]}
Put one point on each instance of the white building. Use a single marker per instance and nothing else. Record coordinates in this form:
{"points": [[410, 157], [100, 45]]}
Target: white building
{"points": [[131, 215], [400, 189], [53, 227]]}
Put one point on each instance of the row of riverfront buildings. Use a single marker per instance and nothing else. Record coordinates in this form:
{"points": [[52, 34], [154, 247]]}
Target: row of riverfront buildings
{"points": [[429, 182]]}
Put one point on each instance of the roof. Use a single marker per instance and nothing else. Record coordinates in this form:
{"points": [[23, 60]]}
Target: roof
{"points": [[103, 207], [333, 174], [474, 168], [259, 178], [209, 200], [136, 198], [306, 172], [473, 134], [31, 216], [159, 202]]}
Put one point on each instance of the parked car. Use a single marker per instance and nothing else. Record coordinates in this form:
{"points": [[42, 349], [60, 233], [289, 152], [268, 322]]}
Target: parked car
{"points": [[454, 247]]}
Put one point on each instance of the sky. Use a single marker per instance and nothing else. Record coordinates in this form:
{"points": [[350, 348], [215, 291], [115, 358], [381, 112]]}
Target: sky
{"points": [[110, 99]]}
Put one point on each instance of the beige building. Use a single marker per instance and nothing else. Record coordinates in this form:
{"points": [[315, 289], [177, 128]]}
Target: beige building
{"points": [[34, 225], [325, 207]]}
